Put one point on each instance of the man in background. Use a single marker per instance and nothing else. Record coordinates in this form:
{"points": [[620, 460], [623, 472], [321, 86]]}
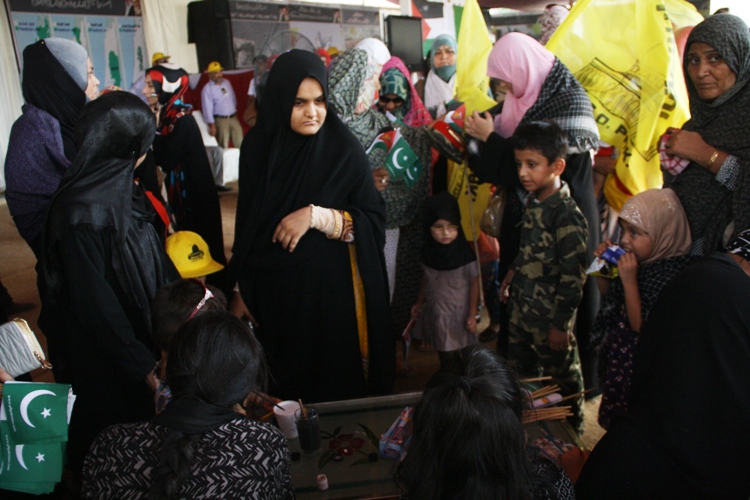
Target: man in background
{"points": [[220, 108]]}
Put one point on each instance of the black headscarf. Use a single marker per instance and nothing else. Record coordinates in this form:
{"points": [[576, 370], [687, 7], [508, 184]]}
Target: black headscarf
{"points": [[98, 190], [723, 124], [435, 254], [48, 86]]}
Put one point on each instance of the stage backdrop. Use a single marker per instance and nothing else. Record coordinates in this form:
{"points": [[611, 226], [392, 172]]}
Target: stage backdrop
{"points": [[272, 28]]}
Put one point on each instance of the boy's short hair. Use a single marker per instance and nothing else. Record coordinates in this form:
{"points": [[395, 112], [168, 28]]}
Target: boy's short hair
{"points": [[175, 302], [545, 136]]}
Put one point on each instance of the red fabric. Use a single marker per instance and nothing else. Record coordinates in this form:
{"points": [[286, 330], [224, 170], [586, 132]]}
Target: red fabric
{"points": [[240, 83]]}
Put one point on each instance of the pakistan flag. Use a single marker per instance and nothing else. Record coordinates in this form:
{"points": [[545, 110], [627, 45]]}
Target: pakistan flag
{"points": [[33, 430], [36, 412]]}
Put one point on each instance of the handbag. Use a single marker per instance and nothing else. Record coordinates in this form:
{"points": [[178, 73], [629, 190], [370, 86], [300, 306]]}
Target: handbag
{"points": [[493, 215], [20, 351]]}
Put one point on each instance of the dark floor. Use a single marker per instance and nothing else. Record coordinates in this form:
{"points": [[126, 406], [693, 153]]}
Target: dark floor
{"points": [[18, 275]]}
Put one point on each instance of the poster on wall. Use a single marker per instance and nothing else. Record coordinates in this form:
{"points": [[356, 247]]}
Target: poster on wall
{"points": [[270, 29], [115, 43]]}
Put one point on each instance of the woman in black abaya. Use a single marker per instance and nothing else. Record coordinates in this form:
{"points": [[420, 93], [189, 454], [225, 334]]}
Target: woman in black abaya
{"points": [[309, 244], [101, 264]]}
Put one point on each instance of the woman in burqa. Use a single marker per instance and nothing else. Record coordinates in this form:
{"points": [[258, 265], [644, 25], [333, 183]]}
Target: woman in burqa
{"points": [[101, 265], [179, 151], [353, 95], [41, 145], [714, 189], [308, 252]]}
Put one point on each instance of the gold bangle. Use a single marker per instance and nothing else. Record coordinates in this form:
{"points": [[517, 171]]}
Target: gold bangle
{"points": [[713, 159]]}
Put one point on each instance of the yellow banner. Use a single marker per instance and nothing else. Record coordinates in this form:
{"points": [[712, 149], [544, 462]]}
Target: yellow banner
{"points": [[472, 200], [625, 56], [474, 46]]}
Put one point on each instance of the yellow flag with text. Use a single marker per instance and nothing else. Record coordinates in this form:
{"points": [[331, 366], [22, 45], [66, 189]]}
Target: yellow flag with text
{"points": [[624, 54], [472, 88]]}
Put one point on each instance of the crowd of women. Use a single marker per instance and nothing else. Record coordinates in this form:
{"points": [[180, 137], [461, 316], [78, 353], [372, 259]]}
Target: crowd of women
{"points": [[334, 254]]}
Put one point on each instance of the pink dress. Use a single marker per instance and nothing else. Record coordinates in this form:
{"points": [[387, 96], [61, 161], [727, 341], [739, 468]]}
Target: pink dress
{"points": [[442, 321]]}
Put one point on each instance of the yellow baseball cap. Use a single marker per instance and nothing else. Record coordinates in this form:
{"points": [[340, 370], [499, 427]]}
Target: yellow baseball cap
{"points": [[190, 255], [214, 66], [157, 56]]}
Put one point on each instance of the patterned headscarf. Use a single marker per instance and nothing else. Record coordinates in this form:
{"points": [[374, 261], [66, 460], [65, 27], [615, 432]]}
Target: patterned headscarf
{"points": [[349, 72], [416, 114], [659, 213], [171, 84], [551, 20], [741, 245]]}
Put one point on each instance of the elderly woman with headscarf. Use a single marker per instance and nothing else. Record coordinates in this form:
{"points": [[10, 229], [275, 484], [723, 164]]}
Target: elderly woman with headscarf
{"points": [[179, 151], [354, 82], [440, 85], [101, 265], [715, 186], [57, 78], [308, 250], [398, 95], [539, 87]]}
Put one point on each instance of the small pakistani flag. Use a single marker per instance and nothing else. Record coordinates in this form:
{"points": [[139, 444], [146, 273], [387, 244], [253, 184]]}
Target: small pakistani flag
{"points": [[30, 468], [401, 159], [36, 412]]}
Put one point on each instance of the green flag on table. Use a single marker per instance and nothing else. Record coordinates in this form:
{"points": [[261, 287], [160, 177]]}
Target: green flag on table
{"points": [[36, 412]]}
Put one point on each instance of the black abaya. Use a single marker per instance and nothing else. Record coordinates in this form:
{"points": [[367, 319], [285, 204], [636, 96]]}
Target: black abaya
{"points": [[304, 300], [686, 432], [101, 266]]}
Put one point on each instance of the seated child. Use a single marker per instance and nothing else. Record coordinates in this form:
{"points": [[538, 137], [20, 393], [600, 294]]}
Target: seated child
{"points": [[174, 304], [545, 283], [447, 305], [656, 236]]}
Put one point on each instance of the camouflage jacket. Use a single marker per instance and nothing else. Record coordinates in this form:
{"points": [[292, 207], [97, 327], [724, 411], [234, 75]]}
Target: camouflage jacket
{"points": [[551, 265]]}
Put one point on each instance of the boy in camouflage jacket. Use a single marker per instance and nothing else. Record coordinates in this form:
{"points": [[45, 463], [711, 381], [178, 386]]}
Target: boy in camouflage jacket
{"points": [[545, 282]]}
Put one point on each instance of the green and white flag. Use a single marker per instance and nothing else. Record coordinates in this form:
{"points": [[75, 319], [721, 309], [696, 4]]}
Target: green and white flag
{"points": [[36, 412], [402, 160]]}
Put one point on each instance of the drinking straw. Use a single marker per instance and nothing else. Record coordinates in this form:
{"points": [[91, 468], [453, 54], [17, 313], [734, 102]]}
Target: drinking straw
{"points": [[302, 408]]}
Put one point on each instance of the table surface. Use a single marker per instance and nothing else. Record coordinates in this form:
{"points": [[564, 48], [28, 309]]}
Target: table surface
{"points": [[355, 424]]}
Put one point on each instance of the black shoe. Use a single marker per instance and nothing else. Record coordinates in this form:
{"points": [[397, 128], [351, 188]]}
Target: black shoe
{"points": [[223, 189]]}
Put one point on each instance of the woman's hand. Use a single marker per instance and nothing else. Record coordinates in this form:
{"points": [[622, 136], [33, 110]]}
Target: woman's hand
{"points": [[602, 248], [688, 145], [5, 376], [627, 268], [480, 126], [292, 228], [238, 308], [381, 178]]}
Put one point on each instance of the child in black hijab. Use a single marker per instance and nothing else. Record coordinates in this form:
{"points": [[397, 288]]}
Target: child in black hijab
{"points": [[447, 305]]}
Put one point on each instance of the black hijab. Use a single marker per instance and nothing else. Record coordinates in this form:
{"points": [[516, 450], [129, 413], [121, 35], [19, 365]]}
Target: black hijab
{"points": [[98, 191], [723, 124], [435, 254], [48, 86]]}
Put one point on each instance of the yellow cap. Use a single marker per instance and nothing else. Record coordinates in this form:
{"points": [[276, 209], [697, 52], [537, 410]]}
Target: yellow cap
{"points": [[333, 50], [214, 66], [157, 56], [190, 255]]}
